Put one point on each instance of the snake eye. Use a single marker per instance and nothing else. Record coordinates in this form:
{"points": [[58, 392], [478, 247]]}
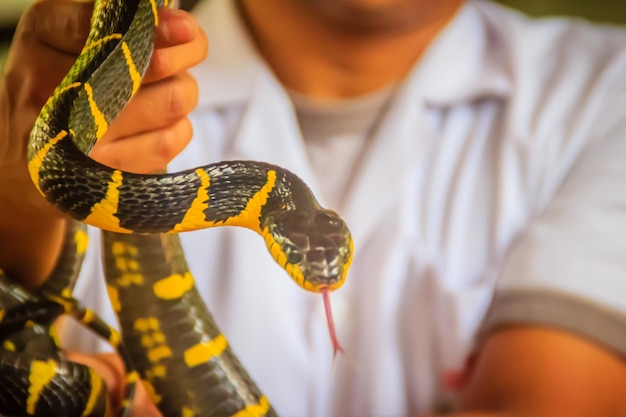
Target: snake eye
{"points": [[294, 257]]}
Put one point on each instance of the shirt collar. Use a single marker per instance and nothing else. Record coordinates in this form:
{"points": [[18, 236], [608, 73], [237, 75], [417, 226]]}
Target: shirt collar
{"points": [[466, 61]]}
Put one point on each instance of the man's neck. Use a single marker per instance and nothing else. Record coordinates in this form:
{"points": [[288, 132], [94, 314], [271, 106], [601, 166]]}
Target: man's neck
{"points": [[313, 56]]}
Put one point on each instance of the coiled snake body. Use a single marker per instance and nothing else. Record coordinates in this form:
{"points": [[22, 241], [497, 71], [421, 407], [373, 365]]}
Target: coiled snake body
{"points": [[181, 356], [35, 377]]}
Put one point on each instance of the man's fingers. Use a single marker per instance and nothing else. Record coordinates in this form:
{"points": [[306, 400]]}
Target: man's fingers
{"points": [[54, 31], [146, 152], [155, 106], [111, 369], [175, 27], [142, 405], [179, 45], [41, 53], [62, 25], [30, 86]]}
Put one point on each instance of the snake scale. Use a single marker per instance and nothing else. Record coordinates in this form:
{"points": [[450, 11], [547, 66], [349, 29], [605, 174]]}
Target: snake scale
{"points": [[178, 352]]}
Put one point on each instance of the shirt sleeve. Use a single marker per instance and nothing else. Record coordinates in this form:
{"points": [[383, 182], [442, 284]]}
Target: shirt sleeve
{"points": [[568, 267]]}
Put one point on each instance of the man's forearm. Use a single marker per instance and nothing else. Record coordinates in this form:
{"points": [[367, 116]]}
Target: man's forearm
{"points": [[30, 239]]}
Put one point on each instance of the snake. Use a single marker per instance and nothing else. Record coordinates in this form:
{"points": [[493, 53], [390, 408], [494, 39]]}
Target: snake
{"points": [[35, 376], [182, 358]]}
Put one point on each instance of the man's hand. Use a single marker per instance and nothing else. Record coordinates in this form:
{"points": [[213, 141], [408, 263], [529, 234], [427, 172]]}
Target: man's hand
{"points": [[110, 367], [48, 39], [155, 124]]}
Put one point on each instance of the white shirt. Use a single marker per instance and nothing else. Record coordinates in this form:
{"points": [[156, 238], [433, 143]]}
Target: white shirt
{"points": [[498, 169]]}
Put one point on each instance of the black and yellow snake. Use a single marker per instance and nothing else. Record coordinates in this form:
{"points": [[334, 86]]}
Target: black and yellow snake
{"points": [[166, 328]]}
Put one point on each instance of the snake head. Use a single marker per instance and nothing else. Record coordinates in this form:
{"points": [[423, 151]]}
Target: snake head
{"points": [[314, 247]]}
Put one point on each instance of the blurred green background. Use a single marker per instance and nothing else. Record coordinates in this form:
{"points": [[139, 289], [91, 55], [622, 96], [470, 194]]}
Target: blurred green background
{"points": [[609, 11]]}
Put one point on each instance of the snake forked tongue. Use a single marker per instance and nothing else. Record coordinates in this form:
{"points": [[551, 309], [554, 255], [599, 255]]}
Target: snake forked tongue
{"points": [[331, 324]]}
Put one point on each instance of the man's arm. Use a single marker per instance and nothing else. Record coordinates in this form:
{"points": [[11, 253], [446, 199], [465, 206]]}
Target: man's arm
{"points": [[540, 371], [536, 371]]}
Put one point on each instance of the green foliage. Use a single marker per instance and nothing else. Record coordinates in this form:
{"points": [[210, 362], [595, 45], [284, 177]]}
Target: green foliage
{"points": [[609, 11]]}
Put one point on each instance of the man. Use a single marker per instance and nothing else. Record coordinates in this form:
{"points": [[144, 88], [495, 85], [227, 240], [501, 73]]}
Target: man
{"points": [[473, 152]]}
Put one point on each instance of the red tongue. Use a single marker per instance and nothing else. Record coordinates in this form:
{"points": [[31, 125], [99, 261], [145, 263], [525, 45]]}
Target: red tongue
{"points": [[331, 324]]}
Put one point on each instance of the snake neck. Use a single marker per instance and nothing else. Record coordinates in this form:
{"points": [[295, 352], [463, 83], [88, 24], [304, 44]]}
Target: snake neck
{"points": [[231, 193]]}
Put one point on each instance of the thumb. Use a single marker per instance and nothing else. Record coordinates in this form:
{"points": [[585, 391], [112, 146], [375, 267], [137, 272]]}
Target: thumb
{"points": [[47, 39], [62, 25]]}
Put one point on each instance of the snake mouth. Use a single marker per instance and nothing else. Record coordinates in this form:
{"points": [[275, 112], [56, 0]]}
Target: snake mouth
{"points": [[322, 287], [324, 277], [325, 269]]}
